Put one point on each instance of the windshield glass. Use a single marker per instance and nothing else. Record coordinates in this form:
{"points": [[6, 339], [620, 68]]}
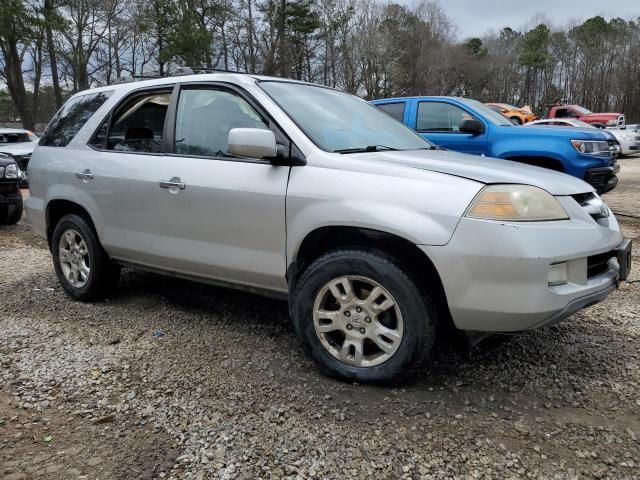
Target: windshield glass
{"points": [[582, 110], [491, 115], [337, 121], [17, 137]]}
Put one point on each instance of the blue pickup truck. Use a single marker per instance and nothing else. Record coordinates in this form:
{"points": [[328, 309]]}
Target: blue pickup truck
{"points": [[468, 126]]}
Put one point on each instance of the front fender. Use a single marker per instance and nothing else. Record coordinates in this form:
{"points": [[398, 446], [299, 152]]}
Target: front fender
{"points": [[423, 207]]}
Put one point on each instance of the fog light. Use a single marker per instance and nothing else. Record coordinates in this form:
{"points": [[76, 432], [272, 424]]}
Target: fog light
{"points": [[558, 274]]}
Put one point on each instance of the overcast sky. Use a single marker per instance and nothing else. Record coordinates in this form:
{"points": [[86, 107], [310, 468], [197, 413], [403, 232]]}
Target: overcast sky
{"points": [[475, 17]]}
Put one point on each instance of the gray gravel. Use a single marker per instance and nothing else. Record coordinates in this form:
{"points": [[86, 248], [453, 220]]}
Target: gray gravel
{"points": [[169, 379]]}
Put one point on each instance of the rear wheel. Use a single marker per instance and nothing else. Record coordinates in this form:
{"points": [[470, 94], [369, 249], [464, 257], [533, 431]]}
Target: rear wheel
{"points": [[82, 266], [516, 120], [10, 214], [362, 317]]}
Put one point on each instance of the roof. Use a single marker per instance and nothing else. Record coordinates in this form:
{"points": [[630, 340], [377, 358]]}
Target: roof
{"points": [[237, 78]]}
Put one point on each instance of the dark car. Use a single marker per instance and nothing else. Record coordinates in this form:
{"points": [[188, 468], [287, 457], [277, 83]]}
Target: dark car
{"points": [[10, 196]]}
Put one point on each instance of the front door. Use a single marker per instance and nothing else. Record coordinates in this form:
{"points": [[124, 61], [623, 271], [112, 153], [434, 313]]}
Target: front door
{"points": [[439, 122], [225, 215]]}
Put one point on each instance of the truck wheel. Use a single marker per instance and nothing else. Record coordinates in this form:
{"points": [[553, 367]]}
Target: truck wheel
{"points": [[362, 318], [11, 214], [516, 120], [82, 266]]}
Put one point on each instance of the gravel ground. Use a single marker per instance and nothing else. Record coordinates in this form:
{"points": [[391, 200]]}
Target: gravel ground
{"points": [[170, 379]]}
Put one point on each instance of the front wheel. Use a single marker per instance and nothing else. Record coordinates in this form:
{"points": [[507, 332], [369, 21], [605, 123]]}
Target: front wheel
{"points": [[82, 266], [362, 317], [10, 214], [516, 120]]}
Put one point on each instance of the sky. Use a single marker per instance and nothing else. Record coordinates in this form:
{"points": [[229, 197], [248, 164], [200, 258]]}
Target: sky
{"points": [[475, 17]]}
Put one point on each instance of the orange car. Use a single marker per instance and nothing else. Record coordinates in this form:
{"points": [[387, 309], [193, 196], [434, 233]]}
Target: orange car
{"points": [[518, 115]]}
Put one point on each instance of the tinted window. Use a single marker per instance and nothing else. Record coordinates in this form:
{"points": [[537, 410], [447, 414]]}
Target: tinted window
{"points": [[396, 110], [136, 126], [71, 118], [440, 117], [205, 117]]}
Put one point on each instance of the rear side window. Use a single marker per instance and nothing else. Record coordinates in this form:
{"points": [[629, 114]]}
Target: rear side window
{"points": [[71, 118], [396, 110], [136, 126]]}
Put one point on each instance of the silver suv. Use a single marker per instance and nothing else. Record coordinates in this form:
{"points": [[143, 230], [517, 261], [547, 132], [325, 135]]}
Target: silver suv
{"points": [[375, 236]]}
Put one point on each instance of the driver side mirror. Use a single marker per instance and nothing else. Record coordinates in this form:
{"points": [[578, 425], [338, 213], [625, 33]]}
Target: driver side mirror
{"points": [[472, 126], [252, 143]]}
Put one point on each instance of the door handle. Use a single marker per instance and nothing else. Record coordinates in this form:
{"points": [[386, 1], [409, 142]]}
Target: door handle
{"points": [[174, 183], [84, 176]]}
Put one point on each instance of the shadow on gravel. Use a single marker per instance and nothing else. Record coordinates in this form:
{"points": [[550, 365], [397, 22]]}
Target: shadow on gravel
{"points": [[514, 363]]}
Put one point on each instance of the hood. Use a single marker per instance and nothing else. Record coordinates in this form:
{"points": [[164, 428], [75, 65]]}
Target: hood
{"points": [[573, 133], [603, 115], [483, 169], [22, 148]]}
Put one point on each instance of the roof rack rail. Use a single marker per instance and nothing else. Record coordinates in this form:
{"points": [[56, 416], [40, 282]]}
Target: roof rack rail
{"points": [[202, 70]]}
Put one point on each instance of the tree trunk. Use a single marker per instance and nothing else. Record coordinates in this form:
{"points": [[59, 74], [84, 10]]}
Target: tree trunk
{"points": [[51, 50]]}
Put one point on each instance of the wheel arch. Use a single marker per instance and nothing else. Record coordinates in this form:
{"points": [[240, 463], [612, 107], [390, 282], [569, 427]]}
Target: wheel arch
{"points": [[58, 208], [328, 238], [539, 161]]}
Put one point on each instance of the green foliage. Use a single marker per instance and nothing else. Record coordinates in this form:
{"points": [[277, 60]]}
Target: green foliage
{"points": [[535, 47]]}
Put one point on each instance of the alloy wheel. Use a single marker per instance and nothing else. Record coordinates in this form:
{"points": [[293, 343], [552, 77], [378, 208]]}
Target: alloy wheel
{"points": [[73, 255], [358, 321]]}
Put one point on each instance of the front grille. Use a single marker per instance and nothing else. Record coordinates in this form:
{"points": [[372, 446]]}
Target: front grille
{"points": [[597, 264], [23, 161], [621, 121], [592, 204]]}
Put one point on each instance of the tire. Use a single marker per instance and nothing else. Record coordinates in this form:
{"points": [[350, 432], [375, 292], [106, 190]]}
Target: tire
{"points": [[95, 274], [11, 214], [516, 120], [412, 318]]}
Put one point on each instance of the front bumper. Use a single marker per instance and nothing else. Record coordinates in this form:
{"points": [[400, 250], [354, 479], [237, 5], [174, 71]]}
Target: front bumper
{"points": [[9, 192], [603, 179], [495, 274]]}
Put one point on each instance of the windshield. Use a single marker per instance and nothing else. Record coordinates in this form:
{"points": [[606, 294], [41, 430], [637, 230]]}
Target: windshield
{"points": [[338, 122], [582, 110], [489, 114], [18, 137]]}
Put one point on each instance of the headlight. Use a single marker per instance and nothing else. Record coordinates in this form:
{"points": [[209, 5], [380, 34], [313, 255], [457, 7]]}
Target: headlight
{"points": [[516, 203], [11, 171], [591, 147]]}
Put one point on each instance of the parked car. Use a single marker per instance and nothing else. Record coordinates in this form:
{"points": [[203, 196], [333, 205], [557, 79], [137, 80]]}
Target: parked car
{"points": [[519, 116], [19, 144], [468, 126], [374, 235], [629, 140], [609, 120], [10, 196]]}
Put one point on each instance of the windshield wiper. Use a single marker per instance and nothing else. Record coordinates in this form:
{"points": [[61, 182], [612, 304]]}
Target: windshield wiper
{"points": [[370, 148]]}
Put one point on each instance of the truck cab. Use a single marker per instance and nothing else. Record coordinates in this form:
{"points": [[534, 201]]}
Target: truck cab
{"points": [[468, 126], [608, 119]]}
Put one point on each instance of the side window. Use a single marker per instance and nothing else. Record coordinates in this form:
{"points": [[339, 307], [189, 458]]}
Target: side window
{"points": [[205, 117], [440, 117], [562, 113], [136, 126], [396, 110], [71, 118]]}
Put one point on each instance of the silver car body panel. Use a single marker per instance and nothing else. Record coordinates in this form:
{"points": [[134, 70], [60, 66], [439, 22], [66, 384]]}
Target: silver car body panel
{"points": [[243, 222]]}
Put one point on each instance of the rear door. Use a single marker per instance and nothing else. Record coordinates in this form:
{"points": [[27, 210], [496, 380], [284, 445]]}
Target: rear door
{"points": [[120, 180], [439, 122], [226, 216]]}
